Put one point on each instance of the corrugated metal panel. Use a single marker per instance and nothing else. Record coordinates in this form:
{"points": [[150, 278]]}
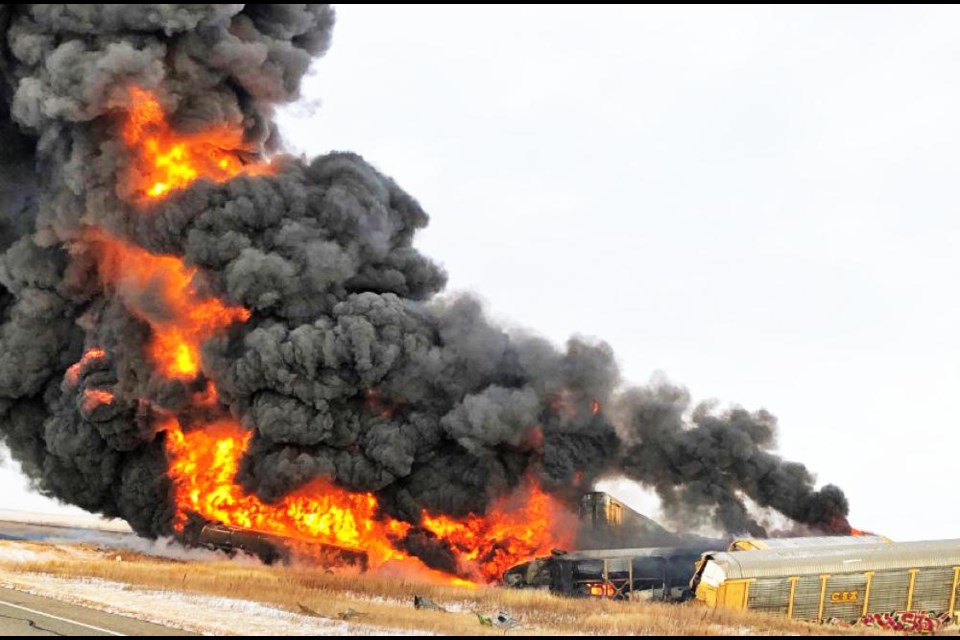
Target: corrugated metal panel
{"points": [[805, 543], [850, 559], [844, 597], [806, 601], [932, 590], [770, 595], [889, 591], [956, 598]]}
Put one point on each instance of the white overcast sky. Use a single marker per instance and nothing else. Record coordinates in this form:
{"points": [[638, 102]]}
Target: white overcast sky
{"points": [[760, 203]]}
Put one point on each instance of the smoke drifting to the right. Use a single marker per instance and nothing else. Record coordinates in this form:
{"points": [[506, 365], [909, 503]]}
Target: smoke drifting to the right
{"points": [[194, 324], [702, 468]]}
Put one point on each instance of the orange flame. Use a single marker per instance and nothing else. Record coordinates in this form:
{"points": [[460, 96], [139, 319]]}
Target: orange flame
{"points": [[507, 534], [73, 371], [373, 401], [204, 463], [161, 290], [167, 161], [602, 589], [93, 398]]}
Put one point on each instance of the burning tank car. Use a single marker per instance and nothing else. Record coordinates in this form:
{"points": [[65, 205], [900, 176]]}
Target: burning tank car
{"points": [[268, 547]]}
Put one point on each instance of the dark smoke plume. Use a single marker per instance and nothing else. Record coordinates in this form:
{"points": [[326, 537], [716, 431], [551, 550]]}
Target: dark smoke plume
{"points": [[350, 367], [705, 466]]}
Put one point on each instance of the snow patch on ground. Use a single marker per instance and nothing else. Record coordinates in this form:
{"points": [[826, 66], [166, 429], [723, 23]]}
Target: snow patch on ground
{"points": [[13, 553], [197, 613], [10, 553], [724, 630]]}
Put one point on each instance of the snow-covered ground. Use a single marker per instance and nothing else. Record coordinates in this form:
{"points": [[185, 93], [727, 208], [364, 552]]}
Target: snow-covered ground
{"points": [[208, 615], [17, 553]]}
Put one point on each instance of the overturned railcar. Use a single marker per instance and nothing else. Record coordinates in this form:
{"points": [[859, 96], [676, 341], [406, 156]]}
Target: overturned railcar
{"points": [[268, 548], [661, 573], [607, 523], [844, 582], [271, 548]]}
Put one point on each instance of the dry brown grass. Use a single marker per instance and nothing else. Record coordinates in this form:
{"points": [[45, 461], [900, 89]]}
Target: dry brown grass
{"points": [[387, 602]]}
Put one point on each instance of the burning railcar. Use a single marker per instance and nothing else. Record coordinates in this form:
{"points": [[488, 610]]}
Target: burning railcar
{"points": [[269, 548], [608, 523], [621, 554], [192, 321]]}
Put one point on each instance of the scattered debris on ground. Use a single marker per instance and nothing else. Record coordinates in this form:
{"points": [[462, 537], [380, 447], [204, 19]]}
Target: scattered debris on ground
{"points": [[350, 614], [505, 621], [423, 602], [307, 611]]}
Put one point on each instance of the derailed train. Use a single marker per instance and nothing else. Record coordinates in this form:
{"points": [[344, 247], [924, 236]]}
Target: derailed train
{"points": [[810, 579], [813, 578], [270, 548], [841, 582], [605, 566], [661, 573]]}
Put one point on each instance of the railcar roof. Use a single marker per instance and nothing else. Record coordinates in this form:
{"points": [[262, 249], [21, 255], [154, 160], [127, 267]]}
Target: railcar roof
{"points": [[840, 559], [810, 541]]}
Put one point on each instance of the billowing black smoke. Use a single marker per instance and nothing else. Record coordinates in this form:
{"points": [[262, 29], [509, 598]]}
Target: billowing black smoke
{"points": [[701, 464], [350, 367]]}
